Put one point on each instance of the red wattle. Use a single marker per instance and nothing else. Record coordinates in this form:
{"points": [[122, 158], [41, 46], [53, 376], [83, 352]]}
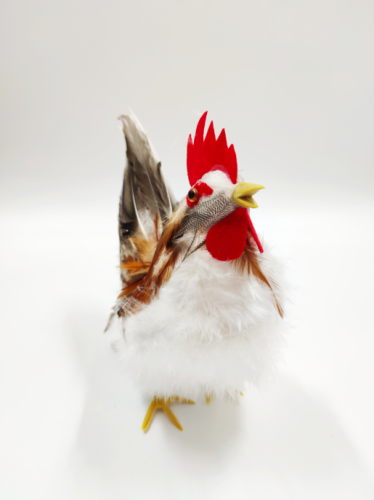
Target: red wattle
{"points": [[226, 239]]}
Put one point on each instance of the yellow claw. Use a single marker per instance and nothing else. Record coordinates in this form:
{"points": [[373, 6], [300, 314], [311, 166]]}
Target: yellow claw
{"points": [[164, 405], [148, 415], [177, 399]]}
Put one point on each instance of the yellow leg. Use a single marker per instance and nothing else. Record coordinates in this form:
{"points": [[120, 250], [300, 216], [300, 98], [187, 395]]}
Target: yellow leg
{"points": [[164, 405]]}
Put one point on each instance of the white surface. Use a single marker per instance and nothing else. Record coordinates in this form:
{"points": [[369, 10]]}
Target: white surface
{"points": [[70, 424], [292, 83]]}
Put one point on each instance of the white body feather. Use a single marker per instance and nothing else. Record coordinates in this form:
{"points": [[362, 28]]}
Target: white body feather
{"points": [[211, 330]]}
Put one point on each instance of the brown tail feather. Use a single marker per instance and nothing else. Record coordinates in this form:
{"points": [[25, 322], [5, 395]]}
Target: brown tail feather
{"points": [[132, 266], [129, 289], [248, 262], [145, 248], [158, 271]]}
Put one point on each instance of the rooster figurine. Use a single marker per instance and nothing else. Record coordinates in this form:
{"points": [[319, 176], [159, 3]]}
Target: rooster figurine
{"points": [[201, 301]]}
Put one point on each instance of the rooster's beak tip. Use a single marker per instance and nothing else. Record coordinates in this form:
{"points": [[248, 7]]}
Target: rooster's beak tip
{"points": [[243, 194]]}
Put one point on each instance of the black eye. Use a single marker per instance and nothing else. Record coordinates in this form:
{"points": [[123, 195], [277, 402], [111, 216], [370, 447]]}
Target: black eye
{"points": [[193, 194]]}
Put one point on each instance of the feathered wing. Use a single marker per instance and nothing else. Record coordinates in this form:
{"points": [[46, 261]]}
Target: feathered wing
{"points": [[167, 252], [145, 203], [170, 250], [150, 228]]}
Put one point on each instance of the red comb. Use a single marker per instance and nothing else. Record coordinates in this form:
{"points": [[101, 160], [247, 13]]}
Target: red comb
{"points": [[205, 154]]}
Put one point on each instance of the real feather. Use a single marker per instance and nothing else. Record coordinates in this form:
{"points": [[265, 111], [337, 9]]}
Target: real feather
{"points": [[145, 199], [159, 271], [248, 262], [194, 324], [209, 329]]}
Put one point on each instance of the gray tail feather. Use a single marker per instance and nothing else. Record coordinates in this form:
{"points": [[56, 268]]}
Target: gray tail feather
{"points": [[143, 184]]}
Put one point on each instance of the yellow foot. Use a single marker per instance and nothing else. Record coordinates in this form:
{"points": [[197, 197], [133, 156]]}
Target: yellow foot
{"points": [[208, 398], [164, 405]]}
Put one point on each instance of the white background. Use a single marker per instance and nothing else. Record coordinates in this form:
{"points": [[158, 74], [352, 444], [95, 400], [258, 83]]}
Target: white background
{"points": [[293, 84]]}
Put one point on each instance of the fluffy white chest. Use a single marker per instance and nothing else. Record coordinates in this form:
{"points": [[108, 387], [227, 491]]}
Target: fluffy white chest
{"points": [[210, 330]]}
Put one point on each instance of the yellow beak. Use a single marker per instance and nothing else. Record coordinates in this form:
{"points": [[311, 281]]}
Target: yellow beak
{"points": [[243, 194]]}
